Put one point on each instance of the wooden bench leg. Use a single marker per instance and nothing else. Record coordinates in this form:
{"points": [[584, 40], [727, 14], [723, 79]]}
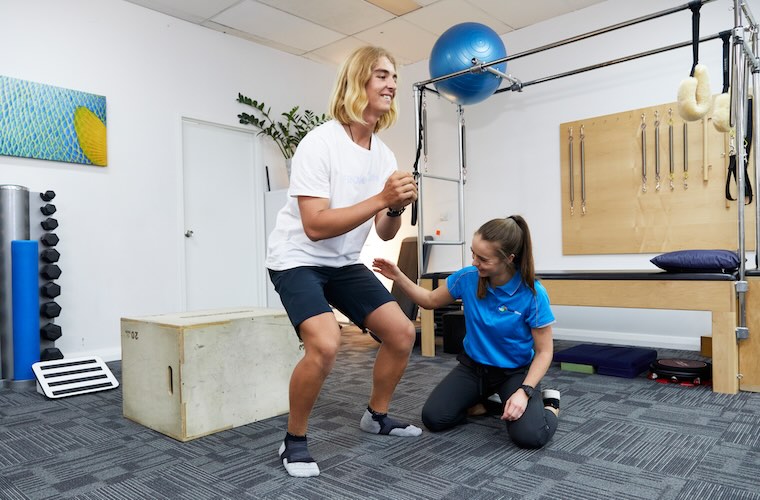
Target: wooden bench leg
{"points": [[427, 325], [749, 349], [725, 353]]}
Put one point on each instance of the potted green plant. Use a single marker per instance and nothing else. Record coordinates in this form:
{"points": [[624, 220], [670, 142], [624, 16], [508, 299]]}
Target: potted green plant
{"points": [[286, 133]]}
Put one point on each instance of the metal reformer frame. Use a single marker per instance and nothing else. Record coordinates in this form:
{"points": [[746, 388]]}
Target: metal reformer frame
{"points": [[744, 59]]}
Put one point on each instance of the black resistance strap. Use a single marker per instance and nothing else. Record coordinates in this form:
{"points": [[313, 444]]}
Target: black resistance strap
{"points": [[732, 162], [416, 171], [726, 37], [694, 5]]}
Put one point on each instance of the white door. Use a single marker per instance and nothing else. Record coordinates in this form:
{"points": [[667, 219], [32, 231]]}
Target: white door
{"points": [[224, 221]]}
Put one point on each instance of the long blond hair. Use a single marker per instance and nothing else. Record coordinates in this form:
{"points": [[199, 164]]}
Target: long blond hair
{"points": [[349, 96], [511, 236]]}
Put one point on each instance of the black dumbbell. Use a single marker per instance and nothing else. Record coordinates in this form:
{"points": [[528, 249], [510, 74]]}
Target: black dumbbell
{"points": [[50, 290], [51, 332], [50, 309], [50, 255], [48, 209], [47, 195], [49, 239], [49, 224], [50, 354], [50, 272]]}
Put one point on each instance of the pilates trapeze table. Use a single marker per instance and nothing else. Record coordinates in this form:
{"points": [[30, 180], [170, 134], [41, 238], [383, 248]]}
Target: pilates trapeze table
{"points": [[644, 289]]}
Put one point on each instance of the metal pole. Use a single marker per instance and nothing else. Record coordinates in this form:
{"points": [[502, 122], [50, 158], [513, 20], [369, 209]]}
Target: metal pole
{"points": [[739, 97], [462, 175], [610, 63], [566, 41], [750, 55], [748, 15], [442, 178], [755, 138]]}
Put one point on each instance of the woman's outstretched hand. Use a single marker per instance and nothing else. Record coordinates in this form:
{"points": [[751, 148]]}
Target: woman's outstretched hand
{"points": [[386, 268]]}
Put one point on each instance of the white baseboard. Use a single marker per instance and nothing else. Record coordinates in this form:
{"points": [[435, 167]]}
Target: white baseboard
{"points": [[106, 355], [629, 339], [595, 336]]}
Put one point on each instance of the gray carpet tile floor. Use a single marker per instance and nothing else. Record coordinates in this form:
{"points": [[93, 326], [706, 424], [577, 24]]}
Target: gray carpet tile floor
{"points": [[617, 438]]}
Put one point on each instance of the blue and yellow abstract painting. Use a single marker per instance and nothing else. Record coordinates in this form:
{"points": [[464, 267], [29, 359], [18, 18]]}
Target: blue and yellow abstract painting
{"points": [[52, 123]]}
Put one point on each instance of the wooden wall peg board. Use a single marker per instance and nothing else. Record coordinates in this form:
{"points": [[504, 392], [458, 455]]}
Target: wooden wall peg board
{"points": [[620, 217]]}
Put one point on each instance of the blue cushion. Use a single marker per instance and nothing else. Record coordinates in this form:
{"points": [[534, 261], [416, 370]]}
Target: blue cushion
{"points": [[617, 361], [689, 261]]}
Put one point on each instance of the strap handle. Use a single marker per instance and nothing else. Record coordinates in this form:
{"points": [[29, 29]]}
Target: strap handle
{"points": [[732, 162], [726, 37], [694, 5]]}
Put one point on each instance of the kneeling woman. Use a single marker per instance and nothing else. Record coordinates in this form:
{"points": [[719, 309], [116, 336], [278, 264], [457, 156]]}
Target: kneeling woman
{"points": [[508, 346]]}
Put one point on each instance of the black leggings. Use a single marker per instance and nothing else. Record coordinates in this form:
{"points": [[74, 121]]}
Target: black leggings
{"points": [[469, 383]]}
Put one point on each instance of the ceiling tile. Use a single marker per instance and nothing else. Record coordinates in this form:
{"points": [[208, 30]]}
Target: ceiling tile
{"points": [[440, 16], [190, 10], [514, 13], [407, 42], [336, 52], [273, 24], [252, 37], [345, 16], [328, 30]]}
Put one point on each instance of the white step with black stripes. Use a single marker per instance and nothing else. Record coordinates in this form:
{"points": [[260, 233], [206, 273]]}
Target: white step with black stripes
{"points": [[68, 377]]}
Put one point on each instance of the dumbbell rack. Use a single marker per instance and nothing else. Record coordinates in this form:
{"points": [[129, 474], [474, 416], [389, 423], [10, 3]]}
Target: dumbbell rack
{"points": [[26, 215], [43, 231]]}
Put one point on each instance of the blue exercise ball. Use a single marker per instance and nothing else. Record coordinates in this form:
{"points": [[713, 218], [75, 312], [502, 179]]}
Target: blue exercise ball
{"points": [[454, 51]]}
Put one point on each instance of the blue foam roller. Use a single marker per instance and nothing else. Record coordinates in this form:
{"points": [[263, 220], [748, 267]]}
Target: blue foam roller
{"points": [[26, 308]]}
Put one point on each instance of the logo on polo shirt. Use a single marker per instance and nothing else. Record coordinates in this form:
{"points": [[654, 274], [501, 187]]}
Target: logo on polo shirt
{"points": [[502, 309]]}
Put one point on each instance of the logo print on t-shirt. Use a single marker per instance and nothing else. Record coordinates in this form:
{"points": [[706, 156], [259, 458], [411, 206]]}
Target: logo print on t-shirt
{"points": [[504, 309]]}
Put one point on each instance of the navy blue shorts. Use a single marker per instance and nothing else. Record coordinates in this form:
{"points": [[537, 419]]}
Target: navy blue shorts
{"points": [[310, 290]]}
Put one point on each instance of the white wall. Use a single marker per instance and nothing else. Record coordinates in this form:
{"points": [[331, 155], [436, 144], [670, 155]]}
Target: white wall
{"points": [[121, 226], [514, 150]]}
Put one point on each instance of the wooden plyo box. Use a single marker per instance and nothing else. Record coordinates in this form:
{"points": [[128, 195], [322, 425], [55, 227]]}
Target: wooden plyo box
{"points": [[191, 374]]}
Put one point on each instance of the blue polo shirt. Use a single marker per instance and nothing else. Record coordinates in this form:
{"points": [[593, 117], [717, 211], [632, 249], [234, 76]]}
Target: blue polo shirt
{"points": [[499, 325]]}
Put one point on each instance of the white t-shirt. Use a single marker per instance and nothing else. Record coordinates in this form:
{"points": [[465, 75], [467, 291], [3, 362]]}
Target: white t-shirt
{"points": [[328, 164]]}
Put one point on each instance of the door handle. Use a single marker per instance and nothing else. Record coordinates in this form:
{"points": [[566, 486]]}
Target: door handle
{"points": [[188, 233]]}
